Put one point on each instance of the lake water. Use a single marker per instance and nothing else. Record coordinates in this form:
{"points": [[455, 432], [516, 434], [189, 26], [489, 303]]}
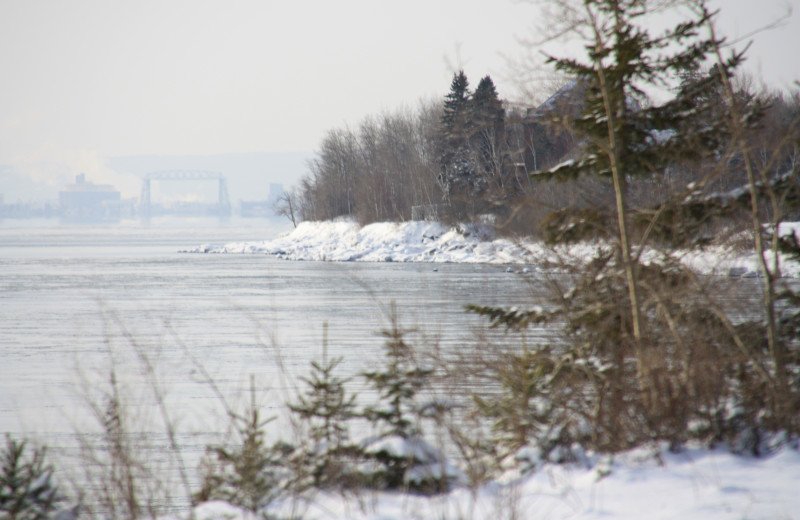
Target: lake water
{"points": [[78, 303]]}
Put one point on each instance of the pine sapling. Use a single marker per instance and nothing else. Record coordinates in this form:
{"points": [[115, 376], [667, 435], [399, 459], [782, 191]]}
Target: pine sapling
{"points": [[250, 474], [326, 407], [27, 490], [404, 458]]}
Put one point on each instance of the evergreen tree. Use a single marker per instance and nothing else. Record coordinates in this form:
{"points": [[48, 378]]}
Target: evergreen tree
{"points": [[649, 351], [472, 157], [27, 491], [326, 408], [397, 385], [487, 109], [624, 141], [250, 474], [458, 168], [326, 404], [488, 120], [455, 116], [404, 459]]}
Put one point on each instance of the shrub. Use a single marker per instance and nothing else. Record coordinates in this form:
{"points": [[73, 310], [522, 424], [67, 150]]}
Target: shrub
{"points": [[694, 375]]}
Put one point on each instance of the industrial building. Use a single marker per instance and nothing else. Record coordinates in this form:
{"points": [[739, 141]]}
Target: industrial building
{"points": [[87, 201]]}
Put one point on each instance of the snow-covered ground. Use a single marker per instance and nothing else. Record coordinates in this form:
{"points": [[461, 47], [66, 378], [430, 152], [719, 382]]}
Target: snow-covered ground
{"points": [[346, 241], [694, 484]]}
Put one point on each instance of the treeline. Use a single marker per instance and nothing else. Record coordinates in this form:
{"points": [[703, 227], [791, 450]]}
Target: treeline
{"points": [[471, 154], [454, 159], [375, 172]]}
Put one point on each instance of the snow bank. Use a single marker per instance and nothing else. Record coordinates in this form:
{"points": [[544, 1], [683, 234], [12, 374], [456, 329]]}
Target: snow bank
{"points": [[346, 241], [693, 485]]}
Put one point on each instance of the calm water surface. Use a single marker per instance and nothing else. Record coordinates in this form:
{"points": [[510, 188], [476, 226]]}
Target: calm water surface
{"points": [[78, 303]]}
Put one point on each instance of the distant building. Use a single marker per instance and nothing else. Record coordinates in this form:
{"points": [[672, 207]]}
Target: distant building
{"points": [[275, 192], [262, 208], [87, 201], [546, 143]]}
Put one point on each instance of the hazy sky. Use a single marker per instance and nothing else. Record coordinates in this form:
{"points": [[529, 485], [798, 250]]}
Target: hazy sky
{"points": [[84, 80]]}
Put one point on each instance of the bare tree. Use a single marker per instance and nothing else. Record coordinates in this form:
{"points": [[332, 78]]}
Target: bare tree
{"points": [[378, 171], [286, 205]]}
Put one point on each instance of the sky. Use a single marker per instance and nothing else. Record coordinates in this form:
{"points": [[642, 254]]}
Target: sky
{"points": [[85, 81]]}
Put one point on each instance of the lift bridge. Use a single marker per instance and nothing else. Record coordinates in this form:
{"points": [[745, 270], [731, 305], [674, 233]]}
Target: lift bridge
{"points": [[223, 206]]}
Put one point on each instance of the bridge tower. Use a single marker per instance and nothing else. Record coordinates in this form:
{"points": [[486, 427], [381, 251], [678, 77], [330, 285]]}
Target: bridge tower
{"points": [[144, 199], [223, 208], [223, 200]]}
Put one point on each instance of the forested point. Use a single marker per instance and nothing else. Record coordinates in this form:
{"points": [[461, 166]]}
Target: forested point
{"points": [[473, 156], [647, 350]]}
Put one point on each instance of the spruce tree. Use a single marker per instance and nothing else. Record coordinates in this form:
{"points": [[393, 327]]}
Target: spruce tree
{"points": [[625, 137], [487, 109], [488, 135], [27, 491], [404, 459], [648, 351], [458, 168], [472, 154], [326, 408], [397, 386], [250, 473], [455, 115]]}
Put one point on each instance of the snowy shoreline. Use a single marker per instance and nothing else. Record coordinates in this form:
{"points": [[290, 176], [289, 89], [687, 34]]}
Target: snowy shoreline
{"points": [[653, 482], [419, 241]]}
